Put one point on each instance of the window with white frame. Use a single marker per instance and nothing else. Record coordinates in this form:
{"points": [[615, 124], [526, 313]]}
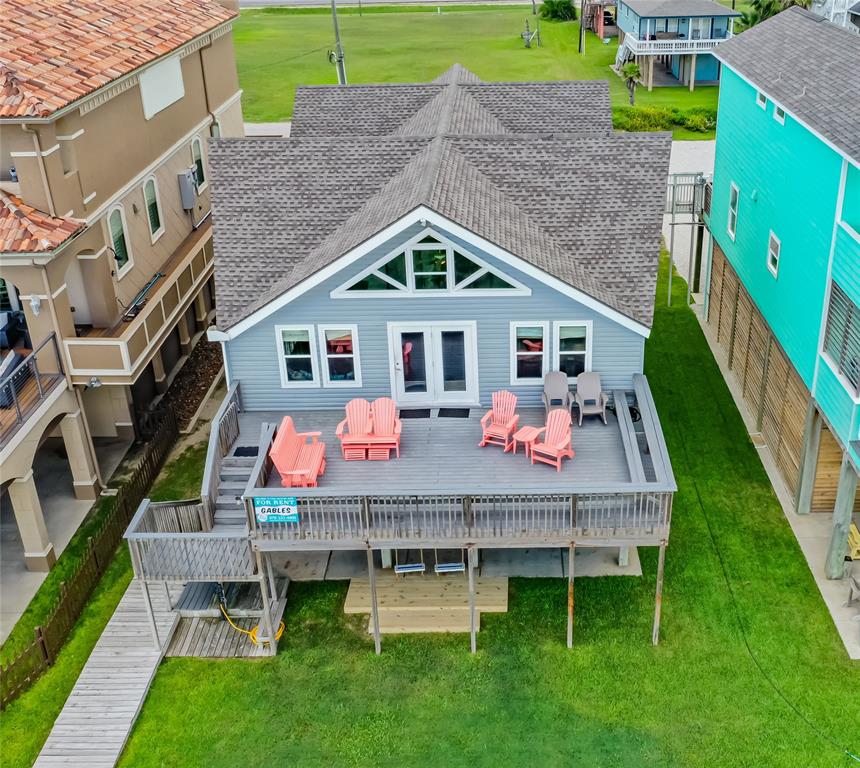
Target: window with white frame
{"points": [[773, 246], [215, 128], [339, 344], [761, 99], [842, 337], [297, 355], [528, 352], [119, 239], [429, 265], [572, 350], [197, 159], [153, 208], [734, 199], [779, 114]]}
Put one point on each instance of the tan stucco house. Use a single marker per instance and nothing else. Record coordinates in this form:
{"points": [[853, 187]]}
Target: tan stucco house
{"points": [[105, 231]]}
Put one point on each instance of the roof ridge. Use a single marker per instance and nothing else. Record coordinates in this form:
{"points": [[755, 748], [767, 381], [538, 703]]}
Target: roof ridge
{"points": [[437, 145]]}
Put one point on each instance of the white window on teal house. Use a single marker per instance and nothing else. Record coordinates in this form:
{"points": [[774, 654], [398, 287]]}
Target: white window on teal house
{"points": [[734, 199], [297, 356], [529, 341], [339, 344], [119, 239], [572, 348], [773, 247], [779, 114], [197, 159], [430, 265], [842, 338], [761, 99], [153, 208]]}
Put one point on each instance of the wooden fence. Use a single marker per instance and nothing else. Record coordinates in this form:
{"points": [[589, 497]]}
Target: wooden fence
{"points": [[25, 669]]}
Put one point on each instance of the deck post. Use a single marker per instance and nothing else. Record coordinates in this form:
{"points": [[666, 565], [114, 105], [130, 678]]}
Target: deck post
{"points": [[571, 552], [270, 572], [150, 614], [473, 640], [808, 459], [374, 608], [692, 73], [846, 493], [267, 606], [658, 599]]}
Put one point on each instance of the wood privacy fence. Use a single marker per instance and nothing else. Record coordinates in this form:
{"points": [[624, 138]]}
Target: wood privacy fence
{"points": [[25, 669]]}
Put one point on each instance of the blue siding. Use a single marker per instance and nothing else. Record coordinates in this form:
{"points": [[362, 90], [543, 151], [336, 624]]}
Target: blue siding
{"points": [[835, 402], [851, 203], [846, 264], [252, 357]]}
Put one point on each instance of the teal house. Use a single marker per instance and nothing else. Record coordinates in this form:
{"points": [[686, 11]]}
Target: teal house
{"points": [[784, 285], [672, 40]]}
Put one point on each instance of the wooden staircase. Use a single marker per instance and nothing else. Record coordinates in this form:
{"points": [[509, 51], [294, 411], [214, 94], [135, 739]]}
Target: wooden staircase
{"points": [[232, 481]]}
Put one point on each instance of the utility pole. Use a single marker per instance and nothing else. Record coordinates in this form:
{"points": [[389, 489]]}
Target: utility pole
{"points": [[337, 55], [582, 26]]}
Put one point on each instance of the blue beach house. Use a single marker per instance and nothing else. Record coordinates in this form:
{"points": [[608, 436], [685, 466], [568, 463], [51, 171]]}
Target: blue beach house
{"points": [[784, 286], [672, 40]]}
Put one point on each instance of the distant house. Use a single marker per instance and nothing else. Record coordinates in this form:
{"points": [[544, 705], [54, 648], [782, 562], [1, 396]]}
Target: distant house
{"points": [[843, 13], [672, 40], [784, 293], [434, 243]]}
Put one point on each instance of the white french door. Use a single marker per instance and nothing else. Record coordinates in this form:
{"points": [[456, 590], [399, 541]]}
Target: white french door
{"points": [[433, 363]]}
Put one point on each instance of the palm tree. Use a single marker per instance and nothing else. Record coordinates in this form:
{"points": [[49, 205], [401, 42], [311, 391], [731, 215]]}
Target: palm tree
{"points": [[632, 76], [760, 10]]}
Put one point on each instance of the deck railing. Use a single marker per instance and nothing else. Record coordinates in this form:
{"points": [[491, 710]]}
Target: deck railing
{"points": [[675, 46], [28, 385], [222, 435], [459, 519], [168, 543]]}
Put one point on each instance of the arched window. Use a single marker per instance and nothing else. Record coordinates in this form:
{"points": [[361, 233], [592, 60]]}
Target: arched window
{"points": [[153, 208], [122, 253], [197, 158]]}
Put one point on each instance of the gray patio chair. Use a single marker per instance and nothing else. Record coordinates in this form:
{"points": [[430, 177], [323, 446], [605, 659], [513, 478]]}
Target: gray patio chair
{"points": [[556, 392], [590, 398]]}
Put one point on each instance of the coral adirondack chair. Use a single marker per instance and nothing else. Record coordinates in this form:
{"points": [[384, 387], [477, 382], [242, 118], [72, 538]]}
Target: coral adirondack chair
{"points": [[500, 423], [359, 423], [386, 429], [298, 461], [555, 443]]}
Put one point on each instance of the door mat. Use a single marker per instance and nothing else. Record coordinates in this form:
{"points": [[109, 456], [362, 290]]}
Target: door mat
{"points": [[244, 451], [415, 413], [453, 413]]}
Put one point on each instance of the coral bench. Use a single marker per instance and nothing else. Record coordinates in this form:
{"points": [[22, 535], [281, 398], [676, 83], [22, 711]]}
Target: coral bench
{"points": [[369, 431], [298, 461]]}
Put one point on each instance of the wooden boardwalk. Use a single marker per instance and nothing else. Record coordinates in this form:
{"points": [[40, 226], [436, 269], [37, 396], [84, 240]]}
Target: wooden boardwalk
{"points": [[209, 638], [98, 716]]}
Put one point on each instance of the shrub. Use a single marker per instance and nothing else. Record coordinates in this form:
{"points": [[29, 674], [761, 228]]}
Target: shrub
{"points": [[558, 10], [697, 119]]}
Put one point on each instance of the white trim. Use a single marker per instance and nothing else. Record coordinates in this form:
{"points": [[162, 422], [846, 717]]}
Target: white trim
{"points": [[414, 216], [729, 231], [556, 343], [840, 377], [153, 236], [89, 197], [197, 140], [58, 291], [452, 289], [355, 355], [43, 153], [776, 116], [282, 363], [71, 136], [773, 269], [91, 256], [121, 271], [70, 213], [545, 352], [225, 105], [761, 99], [850, 231]]}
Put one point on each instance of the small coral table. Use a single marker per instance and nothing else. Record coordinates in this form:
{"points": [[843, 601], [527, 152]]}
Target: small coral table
{"points": [[526, 436]]}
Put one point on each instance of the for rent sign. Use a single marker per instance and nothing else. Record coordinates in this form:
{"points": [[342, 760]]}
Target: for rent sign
{"points": [[276, 509]]}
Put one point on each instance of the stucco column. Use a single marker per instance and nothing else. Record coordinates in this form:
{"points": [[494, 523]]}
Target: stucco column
{"points": [[158, 370], [184, 334], [200, 310], [39, 552], [84, 473], [692, 72]]}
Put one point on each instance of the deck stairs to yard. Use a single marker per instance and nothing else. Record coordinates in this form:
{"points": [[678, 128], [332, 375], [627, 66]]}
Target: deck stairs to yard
{"points": [[623, 54], [232, 481], [426, 602]]}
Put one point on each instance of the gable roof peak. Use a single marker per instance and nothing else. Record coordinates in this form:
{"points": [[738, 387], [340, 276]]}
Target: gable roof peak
{"points": [[456, 73]]}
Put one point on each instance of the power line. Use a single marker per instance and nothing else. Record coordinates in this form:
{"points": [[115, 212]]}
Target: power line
{"points": [[284, 61]]}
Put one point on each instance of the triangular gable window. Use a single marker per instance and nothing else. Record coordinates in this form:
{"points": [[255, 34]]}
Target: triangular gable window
{"points": [[429, 265]]}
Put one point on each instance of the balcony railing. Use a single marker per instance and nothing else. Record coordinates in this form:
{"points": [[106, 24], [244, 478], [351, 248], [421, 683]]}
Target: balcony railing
{"points": [[673, 46], [26, 386]]}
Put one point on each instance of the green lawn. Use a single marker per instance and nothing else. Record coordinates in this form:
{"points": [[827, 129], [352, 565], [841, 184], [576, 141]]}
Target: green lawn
{"points": [[26, 722], [734, 575], [278, 49]]}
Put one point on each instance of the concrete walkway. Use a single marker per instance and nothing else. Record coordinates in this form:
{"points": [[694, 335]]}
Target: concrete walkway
{"points": [[100, 712], [267, 130]]}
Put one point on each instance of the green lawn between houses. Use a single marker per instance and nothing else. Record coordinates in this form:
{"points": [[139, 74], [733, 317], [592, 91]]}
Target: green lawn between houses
{"points": [[280, 48], [699, 699]]}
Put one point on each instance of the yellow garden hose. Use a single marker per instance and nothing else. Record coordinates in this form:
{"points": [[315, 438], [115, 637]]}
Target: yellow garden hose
{"points": [[252, 633]]}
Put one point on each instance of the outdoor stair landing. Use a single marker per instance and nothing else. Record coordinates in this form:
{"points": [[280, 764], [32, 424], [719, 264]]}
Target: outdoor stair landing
{"points": [[426, 603], [232, 480]]}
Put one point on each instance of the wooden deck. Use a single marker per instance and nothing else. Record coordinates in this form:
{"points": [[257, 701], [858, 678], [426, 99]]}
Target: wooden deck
{"points": [[98, 716], [426, 603], [28, 397], [214, 638]]}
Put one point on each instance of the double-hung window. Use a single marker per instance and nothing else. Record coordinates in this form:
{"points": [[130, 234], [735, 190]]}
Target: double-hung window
{"points": [[119, 239], [297, 355], [773, 247], [339, 345], [572, 347], [153, 208], [197, 159], [842, 337], [779, 114], [761, 99], [529, 345], [734, 199]]}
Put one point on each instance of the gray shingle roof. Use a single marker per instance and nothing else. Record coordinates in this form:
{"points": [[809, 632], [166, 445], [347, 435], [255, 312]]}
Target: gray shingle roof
{"points": [[660, 8], [416, 109], [804, 63]]}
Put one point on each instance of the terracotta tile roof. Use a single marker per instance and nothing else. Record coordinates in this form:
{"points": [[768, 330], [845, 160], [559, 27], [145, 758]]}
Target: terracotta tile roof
{"points": [[24, 229], [53, 52]]}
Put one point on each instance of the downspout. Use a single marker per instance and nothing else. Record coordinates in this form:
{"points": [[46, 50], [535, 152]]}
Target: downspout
{"points": [[41, 160], [205, 84]]}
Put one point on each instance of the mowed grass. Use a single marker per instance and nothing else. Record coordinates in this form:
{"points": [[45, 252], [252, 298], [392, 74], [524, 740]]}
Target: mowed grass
{"points": [[734, 575], [278, 49]]}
